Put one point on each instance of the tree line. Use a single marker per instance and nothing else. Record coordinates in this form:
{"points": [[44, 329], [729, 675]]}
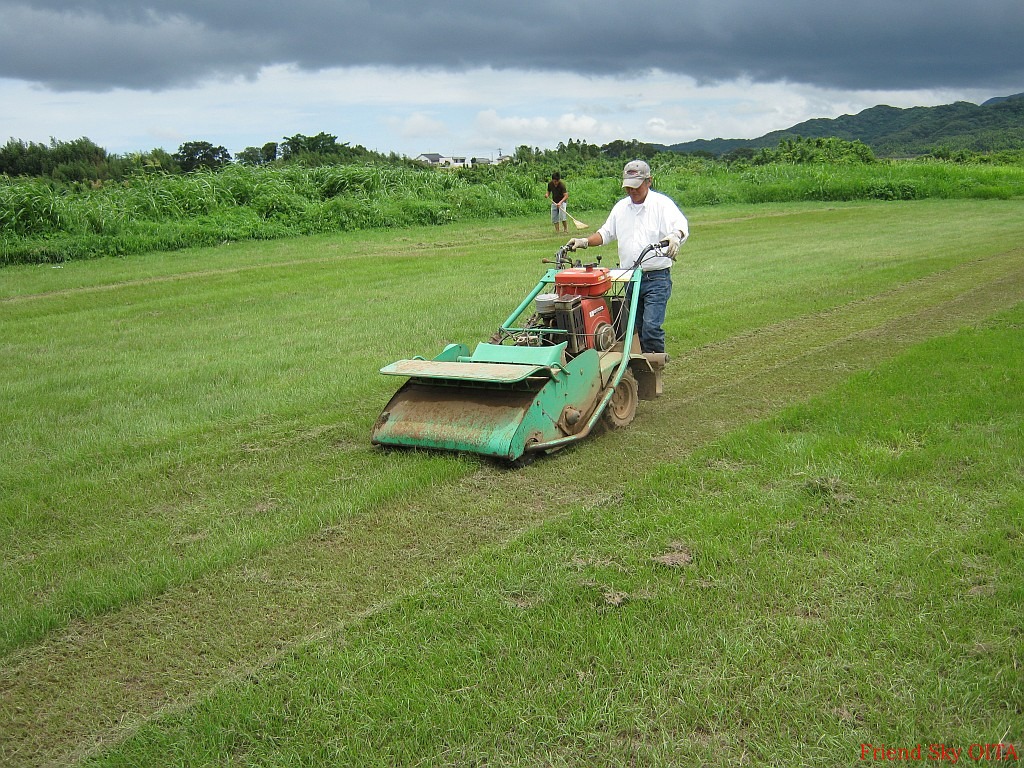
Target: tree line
{"points": [[82, 161]]}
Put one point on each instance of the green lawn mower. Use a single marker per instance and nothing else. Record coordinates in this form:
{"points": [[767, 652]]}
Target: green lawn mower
{"points": [[566, 363]]}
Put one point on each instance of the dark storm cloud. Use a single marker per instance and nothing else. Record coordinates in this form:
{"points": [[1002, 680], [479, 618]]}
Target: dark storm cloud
{"points": [[871, 44]]}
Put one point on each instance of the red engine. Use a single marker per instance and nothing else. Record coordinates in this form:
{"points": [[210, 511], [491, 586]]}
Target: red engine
{"points": [[583, 281], [581, 310]]}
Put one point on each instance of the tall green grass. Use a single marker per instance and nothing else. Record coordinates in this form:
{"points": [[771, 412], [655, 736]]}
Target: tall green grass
{"points": [[44, 223], [714, 184], [41, 223]]}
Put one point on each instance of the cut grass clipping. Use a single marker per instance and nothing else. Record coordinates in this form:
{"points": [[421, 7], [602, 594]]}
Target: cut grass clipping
{"points": [[846, 574]]}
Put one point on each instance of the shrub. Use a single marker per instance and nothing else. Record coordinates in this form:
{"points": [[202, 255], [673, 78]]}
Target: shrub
{"points": [[41, 220]]}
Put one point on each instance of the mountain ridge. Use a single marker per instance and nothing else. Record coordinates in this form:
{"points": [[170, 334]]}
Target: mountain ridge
{"points": [[997, 124]]}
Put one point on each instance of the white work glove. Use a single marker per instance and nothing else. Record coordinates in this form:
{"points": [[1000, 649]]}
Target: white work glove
{"points": [[674, 241], [578, 243]]}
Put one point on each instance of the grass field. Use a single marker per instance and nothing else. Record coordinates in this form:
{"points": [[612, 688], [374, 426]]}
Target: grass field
{"points": [[810, 543]]}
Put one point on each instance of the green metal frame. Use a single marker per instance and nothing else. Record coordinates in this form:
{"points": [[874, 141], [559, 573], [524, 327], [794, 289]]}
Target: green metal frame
{"points": [[505, 400], [620, 369]]}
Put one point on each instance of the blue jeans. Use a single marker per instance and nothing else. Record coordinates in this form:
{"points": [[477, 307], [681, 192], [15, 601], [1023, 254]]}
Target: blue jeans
{"points": [[655, 290]]}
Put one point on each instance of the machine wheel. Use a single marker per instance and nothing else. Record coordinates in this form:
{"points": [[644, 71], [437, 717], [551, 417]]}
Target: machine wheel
{"points": [[523, 461], [527, 458], [621, 408]]}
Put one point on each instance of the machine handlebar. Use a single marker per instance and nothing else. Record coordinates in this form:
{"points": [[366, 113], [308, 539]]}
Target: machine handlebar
{"points": [[652, 247], [562, 258]]}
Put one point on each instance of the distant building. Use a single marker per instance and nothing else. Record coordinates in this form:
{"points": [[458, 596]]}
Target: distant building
{"points": [[443, 161], [488, 161], [455, 161]]}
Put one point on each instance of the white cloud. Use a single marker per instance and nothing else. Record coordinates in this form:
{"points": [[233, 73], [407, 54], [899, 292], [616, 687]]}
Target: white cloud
{"points": [[418, 125], [413, 111], [573, 125]]}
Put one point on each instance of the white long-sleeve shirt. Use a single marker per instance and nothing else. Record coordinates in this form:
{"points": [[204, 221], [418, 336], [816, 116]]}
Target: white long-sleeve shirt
{"points": [[637, 226]]}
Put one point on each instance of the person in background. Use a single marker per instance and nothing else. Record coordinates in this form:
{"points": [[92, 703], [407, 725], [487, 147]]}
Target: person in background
{"points": [[635, 221], [559, 196]]}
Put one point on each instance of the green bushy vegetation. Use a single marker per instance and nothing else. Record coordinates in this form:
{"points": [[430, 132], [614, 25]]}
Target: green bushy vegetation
{"points": [[715, 184], [316, 186], [44, 223]]}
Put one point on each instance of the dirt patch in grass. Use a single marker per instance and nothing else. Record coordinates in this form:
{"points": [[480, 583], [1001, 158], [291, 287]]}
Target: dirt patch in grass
{"points": [[678, 556], [92, 684]]}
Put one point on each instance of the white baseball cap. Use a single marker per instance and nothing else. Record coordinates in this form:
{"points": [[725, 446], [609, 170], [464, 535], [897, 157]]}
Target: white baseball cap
{"points": [[635, 173]]}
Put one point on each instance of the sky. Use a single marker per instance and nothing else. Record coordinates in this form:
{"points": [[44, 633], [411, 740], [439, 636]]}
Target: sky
{"points": [[482, 78]]}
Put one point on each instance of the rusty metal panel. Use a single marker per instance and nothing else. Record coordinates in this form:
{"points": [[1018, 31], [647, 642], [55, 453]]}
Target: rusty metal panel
{"points": [[484, 421]]}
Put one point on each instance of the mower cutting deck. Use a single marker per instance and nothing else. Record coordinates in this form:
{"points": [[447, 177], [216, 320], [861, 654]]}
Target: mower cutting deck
{"points": [[557, 368]]}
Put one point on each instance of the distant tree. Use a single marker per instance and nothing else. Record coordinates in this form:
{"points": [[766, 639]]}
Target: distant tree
{"points": [[323, 146], [799, 151], [249, 156], [947, 154], [77, 160], [575, 151], [157, 160], [20, 158], [258, 155], [160, 159], [193, 155], [633, 149], [739, 155], [269, 152]]}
